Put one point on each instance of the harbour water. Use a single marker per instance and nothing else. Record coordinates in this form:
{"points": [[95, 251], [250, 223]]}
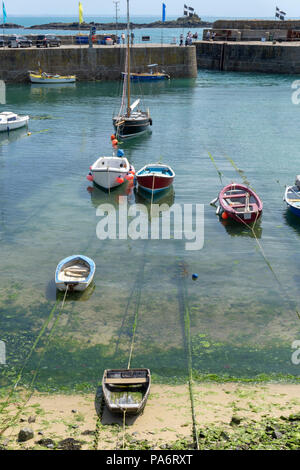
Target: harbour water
{"points": [[243, 314]]}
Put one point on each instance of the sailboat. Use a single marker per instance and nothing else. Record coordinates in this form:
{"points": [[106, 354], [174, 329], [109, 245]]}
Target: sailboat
{"points": [[131, 120]]}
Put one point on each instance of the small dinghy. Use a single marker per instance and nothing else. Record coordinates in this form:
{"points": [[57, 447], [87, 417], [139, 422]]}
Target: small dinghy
{"points": [[240, 203], [75, 272], [10, 121], [111, 172], [126, 390], [43, 77], [154, 74], [292, 197], [155, 177]]}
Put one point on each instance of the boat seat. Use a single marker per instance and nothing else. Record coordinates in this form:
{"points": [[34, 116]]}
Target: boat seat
{"points": [[121, 381], [293, 200], [234, 196]]}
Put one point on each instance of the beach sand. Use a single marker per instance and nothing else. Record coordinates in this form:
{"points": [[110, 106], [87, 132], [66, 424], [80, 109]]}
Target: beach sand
{"points": [[166, 418]]}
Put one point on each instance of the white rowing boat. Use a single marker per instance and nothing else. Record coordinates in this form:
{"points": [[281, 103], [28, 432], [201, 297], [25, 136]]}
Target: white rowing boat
{"points": [[75, 272], [10, 121]]}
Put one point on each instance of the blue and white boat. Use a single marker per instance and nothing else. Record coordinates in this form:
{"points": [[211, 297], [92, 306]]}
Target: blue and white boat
{"points": [[75, 273], [292, 197]]}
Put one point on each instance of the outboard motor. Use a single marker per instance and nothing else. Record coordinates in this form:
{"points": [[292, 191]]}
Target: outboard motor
{"points": [[297, 182]]}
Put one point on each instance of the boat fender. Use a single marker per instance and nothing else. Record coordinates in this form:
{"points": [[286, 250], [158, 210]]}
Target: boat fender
{"points": [[119, 180], [224, 215], [120, 153], [129, 177], [90, 177], [150, 121]]}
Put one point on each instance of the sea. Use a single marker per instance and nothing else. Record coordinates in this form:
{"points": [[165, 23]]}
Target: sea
{"points": [[242, 308]]}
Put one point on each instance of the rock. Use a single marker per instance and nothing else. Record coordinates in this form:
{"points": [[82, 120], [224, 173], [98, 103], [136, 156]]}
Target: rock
{"points": [[75, 426], [277, 434], [294, 417], [25, 434], [69, 444], [74, 411], [87, 432], [23, 420], [31, 419], [224, 436], [40, 433], [235, 421], [46, 443]]}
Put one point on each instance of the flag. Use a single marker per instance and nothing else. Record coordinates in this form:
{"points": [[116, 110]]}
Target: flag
{"points": [[80, 13], [280, 14], [4, 13], [164, 12]]}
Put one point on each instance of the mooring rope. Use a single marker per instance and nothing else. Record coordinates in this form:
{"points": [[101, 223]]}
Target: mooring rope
{"points": [[187, 332], [31, 392], [19, 376]]}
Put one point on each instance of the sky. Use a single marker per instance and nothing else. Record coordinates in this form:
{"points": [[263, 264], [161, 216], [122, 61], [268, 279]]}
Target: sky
{"points": [[218, 8]]}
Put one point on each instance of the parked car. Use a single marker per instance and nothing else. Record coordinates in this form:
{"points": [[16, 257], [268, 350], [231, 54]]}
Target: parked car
{"points": [[47, 41], [18, 41]]}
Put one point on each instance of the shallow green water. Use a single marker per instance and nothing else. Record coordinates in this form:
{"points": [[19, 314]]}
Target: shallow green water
{"points": [[243, 322]]}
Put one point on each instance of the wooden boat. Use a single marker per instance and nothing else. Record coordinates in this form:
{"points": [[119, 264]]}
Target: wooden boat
{"points": [[126, 390], [43, 78], [155, 177], [292, 197], [75, 272], [240, 203], [152, 75], [131, 120], [10, 121], [110, 172]]}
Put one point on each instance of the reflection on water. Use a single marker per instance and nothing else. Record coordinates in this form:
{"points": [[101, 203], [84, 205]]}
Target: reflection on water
{"points": [[239, 317], [235, 229], [292, 220]]}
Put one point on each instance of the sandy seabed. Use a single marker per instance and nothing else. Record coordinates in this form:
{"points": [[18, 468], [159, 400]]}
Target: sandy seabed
{"points": [[166, 418]]}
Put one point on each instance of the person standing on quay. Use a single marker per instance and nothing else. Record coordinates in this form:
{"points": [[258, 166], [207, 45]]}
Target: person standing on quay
{"points": [[181, 40], [132, 37], [123, 38]]}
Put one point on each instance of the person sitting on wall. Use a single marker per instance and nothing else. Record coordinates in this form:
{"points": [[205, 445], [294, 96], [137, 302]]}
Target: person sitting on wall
{"points": [[181, 40]]}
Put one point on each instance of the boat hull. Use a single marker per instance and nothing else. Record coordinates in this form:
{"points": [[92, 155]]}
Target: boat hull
{"points": [[154, 184], [293, 206], [54, 80], [13, 125], [112, 386], [73, 285], [232, 199], [106, 176], [155, 178], [132, 128]]}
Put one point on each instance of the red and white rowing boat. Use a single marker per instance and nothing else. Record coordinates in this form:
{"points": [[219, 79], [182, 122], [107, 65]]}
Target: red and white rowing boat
{"points": [[155, 177], [240, 203]]}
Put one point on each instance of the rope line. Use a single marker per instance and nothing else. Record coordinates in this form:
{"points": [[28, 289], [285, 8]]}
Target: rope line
{"points": [[31, 392], [183, 293]]}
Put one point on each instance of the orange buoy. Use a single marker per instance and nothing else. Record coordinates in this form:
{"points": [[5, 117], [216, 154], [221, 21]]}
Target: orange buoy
{"points": [[119, 180], [115, 142], [224, 215], [112, 137]]}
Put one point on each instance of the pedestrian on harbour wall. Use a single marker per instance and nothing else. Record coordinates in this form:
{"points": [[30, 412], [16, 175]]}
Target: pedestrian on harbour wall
{"points": [[213, 36], [195, 35], [207, 35], [123, 38], [181, 40], [132, 37]]}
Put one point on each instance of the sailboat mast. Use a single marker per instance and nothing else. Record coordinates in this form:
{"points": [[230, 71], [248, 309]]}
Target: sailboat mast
{"points": [[128, 61]]}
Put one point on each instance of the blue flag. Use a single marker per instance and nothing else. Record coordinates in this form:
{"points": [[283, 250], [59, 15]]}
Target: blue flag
{"points": [[4, 13], [164, 12]]}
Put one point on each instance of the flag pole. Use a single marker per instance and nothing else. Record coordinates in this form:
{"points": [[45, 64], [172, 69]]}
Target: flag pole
{"points": [[3, 23]]}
